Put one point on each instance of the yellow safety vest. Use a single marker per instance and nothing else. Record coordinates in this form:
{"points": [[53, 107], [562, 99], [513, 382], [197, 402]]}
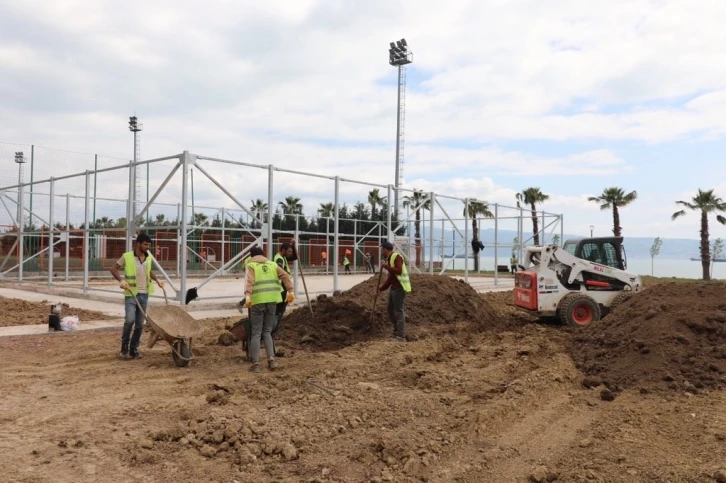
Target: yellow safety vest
{"points": [[130, 274], [266, 288], [285, 266], [345, 261], [403, 278]]}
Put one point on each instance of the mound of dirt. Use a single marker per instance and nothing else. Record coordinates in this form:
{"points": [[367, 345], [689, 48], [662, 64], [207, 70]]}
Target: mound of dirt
{"points": [[22, 312], [437, 304], [672, 336]]}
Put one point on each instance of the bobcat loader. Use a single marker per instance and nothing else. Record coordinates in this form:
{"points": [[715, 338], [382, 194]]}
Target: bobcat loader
{"points": [[578, 283]]}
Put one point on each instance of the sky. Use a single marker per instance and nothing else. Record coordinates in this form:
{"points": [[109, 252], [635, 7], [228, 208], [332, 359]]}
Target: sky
{"points": [[565, 95]]}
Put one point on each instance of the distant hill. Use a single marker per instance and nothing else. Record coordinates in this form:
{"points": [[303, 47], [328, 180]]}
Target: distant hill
{"points": [[636, 247]]}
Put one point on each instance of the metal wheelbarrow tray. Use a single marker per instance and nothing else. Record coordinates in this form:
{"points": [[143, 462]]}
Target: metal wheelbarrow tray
{"points": [[175, 326]]}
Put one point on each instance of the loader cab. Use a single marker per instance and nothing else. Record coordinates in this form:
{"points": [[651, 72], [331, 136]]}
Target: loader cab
{"points": [[608, 251]]}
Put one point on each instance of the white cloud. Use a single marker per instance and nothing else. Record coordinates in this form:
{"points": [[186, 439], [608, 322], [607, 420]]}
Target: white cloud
{"points": [[259, 82]]}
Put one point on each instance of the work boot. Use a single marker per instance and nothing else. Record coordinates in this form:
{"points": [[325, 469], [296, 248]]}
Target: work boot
{"points": [[272, 364], [134, 355], [255, 368], [124, 354]]}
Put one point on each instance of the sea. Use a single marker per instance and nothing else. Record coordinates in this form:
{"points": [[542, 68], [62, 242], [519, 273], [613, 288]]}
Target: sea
{"points": [[642, 266]]}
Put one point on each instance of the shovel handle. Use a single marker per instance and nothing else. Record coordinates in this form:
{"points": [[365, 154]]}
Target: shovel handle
{"points": [[375, 298]]}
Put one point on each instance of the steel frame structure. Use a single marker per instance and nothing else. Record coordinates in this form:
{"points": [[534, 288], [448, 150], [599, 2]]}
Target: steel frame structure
{"points": [[262, 236]]}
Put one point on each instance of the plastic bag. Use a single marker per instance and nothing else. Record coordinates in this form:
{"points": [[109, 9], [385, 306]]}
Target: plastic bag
{"points": [[69, 322]]}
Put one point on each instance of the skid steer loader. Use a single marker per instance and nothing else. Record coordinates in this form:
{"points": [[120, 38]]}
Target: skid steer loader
{"points": [[579, 283]]}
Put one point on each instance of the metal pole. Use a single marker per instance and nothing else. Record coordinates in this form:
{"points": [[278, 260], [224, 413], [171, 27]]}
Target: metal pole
{"points": [[336, 228], [86, 215], [544, 229], [398, 148], [466, 238], [295, 269], [562, 231], [327, 244], [182, 253], [135, 174], [95, 175], [21, 237], [390, 226], [32, 163], [51, 220], [68, 234], [431, 232], [270, 192], [178, 239], [224, 214], [355, 244], [521, 234], [496, 244], [129, 208]]}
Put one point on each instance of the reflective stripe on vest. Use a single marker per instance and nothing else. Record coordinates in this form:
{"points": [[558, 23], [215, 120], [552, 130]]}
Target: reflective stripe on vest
{"points": [[266, 288], [403, 278], [130, 274], [345, 261]]}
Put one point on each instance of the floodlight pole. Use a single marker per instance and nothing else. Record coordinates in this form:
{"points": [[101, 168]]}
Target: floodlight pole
{"points": [[134, 127], [399, 56]]}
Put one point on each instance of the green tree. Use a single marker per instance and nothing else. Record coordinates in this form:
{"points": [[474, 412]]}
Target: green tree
{"points": [[613, 199], [375, 200], [716, 252], [654, 252], [476, 208], [705, 202], [532, 197], [556, 240], [417, 201], [258, 208]]}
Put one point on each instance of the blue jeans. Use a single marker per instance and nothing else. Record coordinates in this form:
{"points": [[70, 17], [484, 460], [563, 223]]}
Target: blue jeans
{"points": [[262, 320], [134, 320]]}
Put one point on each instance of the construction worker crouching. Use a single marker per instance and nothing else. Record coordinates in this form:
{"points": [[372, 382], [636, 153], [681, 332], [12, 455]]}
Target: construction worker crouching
{"points": [[400, 285], [136, 282], [262, 294]]}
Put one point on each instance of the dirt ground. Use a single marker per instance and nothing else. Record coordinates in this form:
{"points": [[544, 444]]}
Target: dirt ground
{"points": [[22, 312], [499, 403]]}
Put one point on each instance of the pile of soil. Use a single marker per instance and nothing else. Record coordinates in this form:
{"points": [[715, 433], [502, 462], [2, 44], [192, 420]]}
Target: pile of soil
{"points": [[22, 312], [436, 304], [672, 336]]}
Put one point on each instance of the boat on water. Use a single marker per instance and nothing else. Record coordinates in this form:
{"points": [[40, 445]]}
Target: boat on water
{"points": [[713, 260]]}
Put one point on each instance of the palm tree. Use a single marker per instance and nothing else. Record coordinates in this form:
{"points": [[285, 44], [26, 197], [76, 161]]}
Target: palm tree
{"points": [[374, 199], [614, 198], [291, 206], [531, 197], [160, 220], [706, 202], [418, 201], [258, 207], [475, 209]]}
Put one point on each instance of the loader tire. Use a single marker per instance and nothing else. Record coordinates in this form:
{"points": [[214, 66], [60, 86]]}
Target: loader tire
{"points": [[578, 310]]}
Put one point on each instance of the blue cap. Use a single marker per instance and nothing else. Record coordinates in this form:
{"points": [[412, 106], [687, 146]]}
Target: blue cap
{"points": [[387, 245]]}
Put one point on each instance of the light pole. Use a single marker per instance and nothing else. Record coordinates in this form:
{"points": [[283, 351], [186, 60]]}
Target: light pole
{"points": [[20, 160], [134, 127], [591, 228], [399, 56]]}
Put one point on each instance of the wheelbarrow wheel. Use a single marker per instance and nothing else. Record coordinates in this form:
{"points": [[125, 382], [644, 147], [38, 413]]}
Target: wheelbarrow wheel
{"points": [[181, 353]]}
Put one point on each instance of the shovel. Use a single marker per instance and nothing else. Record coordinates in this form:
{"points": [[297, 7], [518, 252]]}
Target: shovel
{"points": [[375, 299], [302, 276]]}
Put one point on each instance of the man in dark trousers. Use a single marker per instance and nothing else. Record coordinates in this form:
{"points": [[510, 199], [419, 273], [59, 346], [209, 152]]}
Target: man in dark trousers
{"points": [[400, 285], [286, 254]]}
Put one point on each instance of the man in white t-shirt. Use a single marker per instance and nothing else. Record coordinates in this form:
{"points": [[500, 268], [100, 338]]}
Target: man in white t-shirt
{"points": [[136, 280]]}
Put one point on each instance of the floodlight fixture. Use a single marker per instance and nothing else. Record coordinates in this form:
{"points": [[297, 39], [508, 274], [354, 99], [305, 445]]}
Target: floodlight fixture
{"points": [[134, 125], [19, 157], [399, 56]]}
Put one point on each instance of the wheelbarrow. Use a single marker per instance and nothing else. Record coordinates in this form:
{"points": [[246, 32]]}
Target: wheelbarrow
{"points": [[175, 326], [242, 331]]}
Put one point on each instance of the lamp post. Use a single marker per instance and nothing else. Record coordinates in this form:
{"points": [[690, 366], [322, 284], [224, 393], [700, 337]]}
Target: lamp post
{"points": [[20, 160], [591, 228], [134, 127], [399, 56]]}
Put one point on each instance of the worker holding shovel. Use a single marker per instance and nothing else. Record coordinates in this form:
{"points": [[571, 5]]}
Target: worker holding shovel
{"points": [[135, 282], [400, 285], [262, 294], [286, 254]]}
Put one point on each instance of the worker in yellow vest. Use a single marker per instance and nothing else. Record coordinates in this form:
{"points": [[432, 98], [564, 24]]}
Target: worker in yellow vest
{"points": [[136, 281], [286, 254], [400, 285], [262, 294]]}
